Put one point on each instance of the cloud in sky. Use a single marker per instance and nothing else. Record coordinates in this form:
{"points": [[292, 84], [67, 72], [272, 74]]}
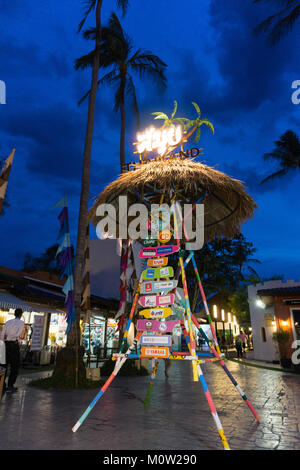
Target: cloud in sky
{"points": [[241, 84]]}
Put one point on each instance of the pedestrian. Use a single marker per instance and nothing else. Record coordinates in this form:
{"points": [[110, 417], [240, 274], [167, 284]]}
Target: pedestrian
{"points": [[238, 346], [168, 362], [244, 338], [10, 334]]}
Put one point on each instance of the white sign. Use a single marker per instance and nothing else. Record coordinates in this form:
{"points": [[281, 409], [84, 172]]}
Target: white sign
{"points": [[156, 340], [158, 139], [37, 334]]}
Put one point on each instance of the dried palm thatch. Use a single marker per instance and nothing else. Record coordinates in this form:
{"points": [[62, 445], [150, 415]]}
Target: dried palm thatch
{"points": [[226, 203]]}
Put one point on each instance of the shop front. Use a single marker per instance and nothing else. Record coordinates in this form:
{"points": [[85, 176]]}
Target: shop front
{"points": [[99, 337]]}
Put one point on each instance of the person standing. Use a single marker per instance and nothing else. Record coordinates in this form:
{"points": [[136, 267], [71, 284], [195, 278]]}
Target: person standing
{"points": [[239, 346], [244, 338], [10, 334]]}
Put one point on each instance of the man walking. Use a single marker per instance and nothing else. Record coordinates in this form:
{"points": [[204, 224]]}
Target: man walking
{"points": [[10, 334]]}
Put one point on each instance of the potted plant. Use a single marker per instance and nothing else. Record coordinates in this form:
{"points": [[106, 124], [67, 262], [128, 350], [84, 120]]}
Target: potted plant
{"points": [[283, 337]]}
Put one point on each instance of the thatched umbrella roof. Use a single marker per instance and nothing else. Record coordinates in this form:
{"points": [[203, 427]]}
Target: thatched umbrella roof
{"points": [[226, 203]]}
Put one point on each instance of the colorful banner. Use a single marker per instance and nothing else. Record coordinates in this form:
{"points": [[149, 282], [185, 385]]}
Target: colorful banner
{"points": [[65, 261], [157, 326]]}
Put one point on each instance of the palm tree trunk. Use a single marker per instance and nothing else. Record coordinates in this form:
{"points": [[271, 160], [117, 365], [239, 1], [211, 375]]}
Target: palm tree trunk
{"points": [[122, 162], [72, 360], [123, 123]]}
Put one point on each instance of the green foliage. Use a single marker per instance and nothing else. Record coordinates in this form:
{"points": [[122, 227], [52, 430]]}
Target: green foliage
{"points": [[47, 261], [128, 369], [239, 306], [282, 337], [65, 383]]}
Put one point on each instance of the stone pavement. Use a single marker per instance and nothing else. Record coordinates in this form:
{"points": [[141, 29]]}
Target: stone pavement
{"points": [[178, 417]]}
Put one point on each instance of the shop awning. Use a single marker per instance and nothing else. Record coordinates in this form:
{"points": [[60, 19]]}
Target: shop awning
{"points": [[38, 309], [8, 300]]}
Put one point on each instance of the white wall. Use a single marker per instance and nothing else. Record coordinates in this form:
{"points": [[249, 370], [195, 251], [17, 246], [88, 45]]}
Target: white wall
{"points": [[263, 351]]}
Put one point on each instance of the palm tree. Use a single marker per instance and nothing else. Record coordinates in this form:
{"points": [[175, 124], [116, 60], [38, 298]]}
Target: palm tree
{"points": [[287, 152], [68, 362], [280, 23], [116, 53]]}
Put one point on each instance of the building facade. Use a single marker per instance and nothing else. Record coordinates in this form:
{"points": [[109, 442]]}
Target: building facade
{"points": [[274, 307]]}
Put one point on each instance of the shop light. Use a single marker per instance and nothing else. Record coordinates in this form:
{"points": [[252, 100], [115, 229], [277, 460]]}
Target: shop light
{"points": [[260, 303], [215, 311], [234, 319], [223, 315], [229, 317], [284, 322]]}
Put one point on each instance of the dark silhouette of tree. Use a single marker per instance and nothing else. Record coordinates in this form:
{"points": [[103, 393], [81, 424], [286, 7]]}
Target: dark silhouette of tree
{"points": [[287, 153], [116, 52], [281, 22]]}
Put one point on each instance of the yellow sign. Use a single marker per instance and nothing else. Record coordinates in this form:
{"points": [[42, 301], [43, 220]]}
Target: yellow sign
{"points": [[156, 312], [164, 236], [161, 353]]}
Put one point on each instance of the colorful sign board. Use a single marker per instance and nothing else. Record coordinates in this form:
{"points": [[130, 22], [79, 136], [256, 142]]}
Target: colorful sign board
{"points": [[156, 300], [156, 340], [162, 353], [153, 252], [156, 312], [165, 236], [156, 273], [156, 262], [152, 287], [157, 326]]}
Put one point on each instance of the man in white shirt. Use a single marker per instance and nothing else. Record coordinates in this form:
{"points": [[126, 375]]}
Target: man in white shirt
{"points": [[10, 334]]}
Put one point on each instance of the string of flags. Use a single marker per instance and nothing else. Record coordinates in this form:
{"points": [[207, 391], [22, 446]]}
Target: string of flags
{"points": [[65, 261]]}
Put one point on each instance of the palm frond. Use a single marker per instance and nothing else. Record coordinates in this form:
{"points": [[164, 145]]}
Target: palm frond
{"points": [[280, 23], [282, 172], [208, 124], [174, 110], [160, 115], [123, 4], [90, 5], [196, 108], [130, 90]]}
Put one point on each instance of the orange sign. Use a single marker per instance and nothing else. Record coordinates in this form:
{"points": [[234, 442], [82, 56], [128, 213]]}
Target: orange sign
{"points": [[155, 262], [162, 353]]}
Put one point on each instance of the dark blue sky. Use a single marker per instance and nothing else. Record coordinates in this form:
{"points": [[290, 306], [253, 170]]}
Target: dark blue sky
{"points": [[242, 85]]}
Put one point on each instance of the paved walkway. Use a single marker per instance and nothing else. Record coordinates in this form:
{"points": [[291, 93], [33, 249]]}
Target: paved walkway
{"points": [[178, 417]]}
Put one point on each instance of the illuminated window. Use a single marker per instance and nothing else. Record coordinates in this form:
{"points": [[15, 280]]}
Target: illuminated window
{"points": [[215, 311]]}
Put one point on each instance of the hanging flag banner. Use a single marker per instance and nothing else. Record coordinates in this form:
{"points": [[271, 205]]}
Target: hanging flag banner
{"points": [[4, 175], [158, 251], [157, 262], [64, 252], [156, 340], [162, 353], [156, 273], [156, 300], [157, 326], [156, 312], [157, 286]]}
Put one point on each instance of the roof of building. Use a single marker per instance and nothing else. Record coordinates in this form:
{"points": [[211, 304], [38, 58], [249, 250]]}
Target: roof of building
{"points": [[280, 291]]}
